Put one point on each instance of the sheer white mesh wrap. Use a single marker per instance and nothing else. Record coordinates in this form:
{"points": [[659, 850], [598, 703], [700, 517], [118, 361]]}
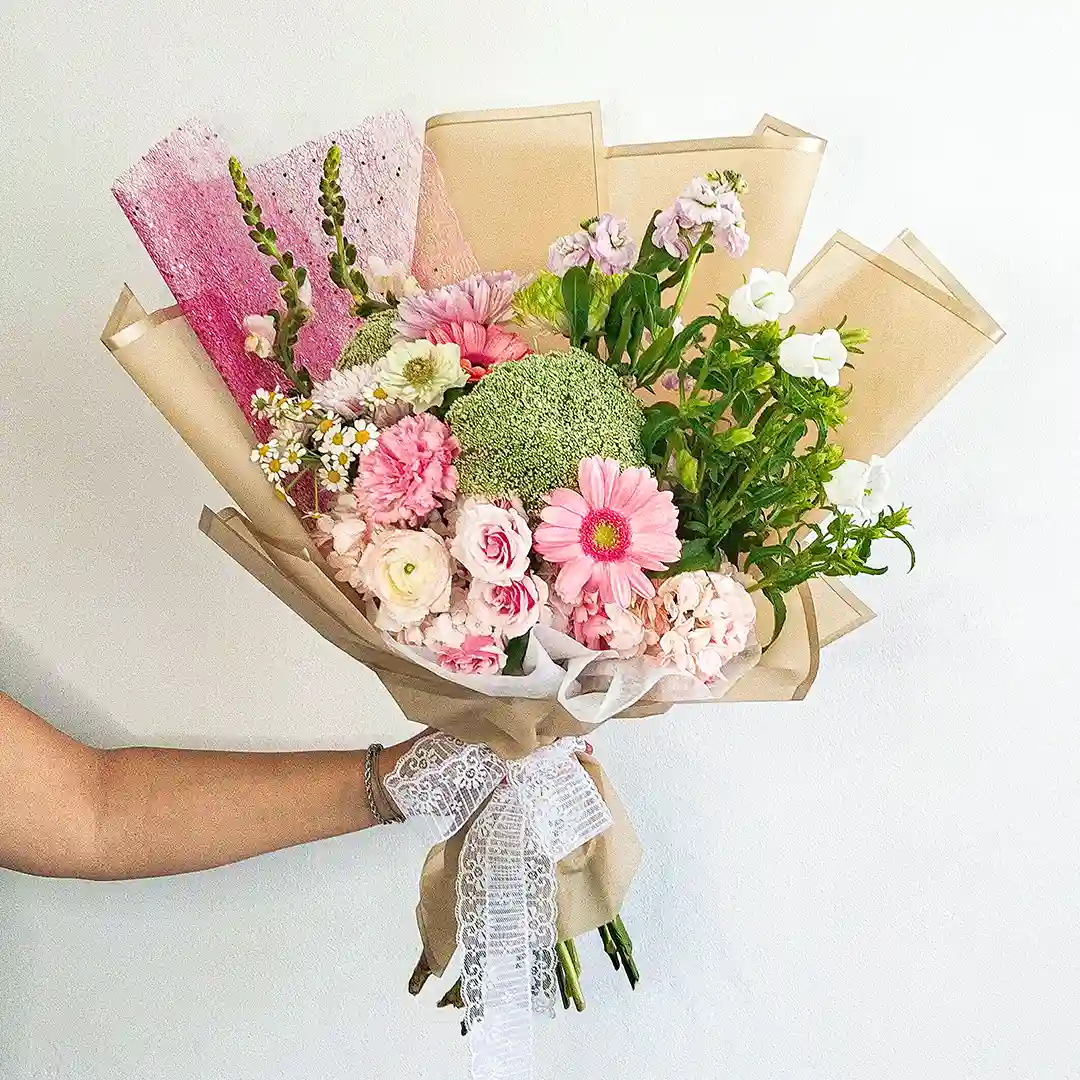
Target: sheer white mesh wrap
{"points": [[532, 813]]}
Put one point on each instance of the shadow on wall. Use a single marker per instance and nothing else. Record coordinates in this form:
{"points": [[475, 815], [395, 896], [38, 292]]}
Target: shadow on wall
{"points": [[27, 676]]}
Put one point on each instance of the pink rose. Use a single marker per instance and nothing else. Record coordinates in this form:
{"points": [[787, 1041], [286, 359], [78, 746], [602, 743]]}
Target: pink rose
{"points": [[476, 655], [492, 542], [512, 608]]}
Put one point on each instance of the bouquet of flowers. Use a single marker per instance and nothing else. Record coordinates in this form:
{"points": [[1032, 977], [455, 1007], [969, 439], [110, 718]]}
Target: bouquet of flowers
{"points": [[563, 490]]}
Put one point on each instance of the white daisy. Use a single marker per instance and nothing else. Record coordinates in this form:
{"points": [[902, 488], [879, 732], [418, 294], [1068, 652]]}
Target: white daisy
{"points": [[283, 495], [292, 457], [262, 401], [367, 437], [339, 437], [333, 479], [380, 395], [275, 469], [323, 426], [266, 451], [338, 459]]}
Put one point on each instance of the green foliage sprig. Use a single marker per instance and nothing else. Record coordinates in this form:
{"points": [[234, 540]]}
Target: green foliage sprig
{"points": [[284, 270], [343, 272]]}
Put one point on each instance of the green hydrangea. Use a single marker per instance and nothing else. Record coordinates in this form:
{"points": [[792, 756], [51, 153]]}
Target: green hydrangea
{"points": [[526, 425], [371, 342], [540, 306]]}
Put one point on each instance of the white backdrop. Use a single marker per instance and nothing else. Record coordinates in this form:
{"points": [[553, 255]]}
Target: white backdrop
{"points": [[881, 882]]}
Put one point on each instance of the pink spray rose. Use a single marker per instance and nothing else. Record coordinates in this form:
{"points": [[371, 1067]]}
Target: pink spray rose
{"points": [[512, 608], [409, 473], [459, 647], [492, 542]]}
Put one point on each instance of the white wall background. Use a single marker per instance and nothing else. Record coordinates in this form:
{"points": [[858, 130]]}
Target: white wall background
{"points": [[882, 882]]}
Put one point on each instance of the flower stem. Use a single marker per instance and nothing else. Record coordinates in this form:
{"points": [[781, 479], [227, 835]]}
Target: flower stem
{"points": [[610, 947], [626, 950], [691, 264], [570, 975]]}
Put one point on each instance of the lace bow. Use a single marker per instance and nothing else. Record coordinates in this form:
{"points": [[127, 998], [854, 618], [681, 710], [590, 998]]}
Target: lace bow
{"points": [[529, 814]]}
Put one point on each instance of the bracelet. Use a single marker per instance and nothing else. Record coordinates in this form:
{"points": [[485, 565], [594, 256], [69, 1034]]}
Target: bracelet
{"points": [[372, 784]]}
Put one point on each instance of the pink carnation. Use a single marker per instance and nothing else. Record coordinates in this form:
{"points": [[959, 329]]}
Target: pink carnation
{"points": [[408, 474], [482, 298]]}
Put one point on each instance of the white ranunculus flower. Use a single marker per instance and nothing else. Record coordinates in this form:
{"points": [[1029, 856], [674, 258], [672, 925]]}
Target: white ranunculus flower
{"points": [[860, 489], [814, 356], [764, 298], [409, 572], [420, 372]]}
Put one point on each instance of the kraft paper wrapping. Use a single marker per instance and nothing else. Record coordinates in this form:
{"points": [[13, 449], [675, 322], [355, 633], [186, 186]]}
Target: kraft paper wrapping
{"points": [[592, 881], [926, 333], [520, 177], [780, 165]]}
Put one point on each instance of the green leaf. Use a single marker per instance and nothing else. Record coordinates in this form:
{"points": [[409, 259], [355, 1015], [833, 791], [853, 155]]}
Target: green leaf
{"points": [[686, 467], [779, 606], [650, 364], [733, 437], [577, 292], [515, 655], [696, 554], [659, 420], [645, 291]]}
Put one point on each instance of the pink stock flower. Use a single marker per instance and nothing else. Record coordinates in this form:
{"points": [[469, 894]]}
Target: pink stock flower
{"points": [[481, 347], [611, 244], [511, 609], [570, 250], [482, 298], [408, 474], [703, 202], [619, 525]]}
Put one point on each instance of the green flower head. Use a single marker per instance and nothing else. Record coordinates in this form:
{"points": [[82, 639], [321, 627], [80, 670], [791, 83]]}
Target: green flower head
{"points": [[527, 424], [540, 306], [371, 342]]}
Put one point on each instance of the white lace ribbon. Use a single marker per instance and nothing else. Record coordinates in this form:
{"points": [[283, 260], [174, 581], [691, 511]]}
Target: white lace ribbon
{"points": [[532, 813]]}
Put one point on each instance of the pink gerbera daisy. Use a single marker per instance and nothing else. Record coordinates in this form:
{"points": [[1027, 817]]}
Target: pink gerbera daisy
{"points": [[482, 298], [482, 347], [619, 525]]}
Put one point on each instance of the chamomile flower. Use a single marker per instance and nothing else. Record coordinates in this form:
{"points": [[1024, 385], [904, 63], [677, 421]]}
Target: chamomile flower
{"points": [[367, 437], [338, 459], [291, 457], [323, 426], [379, 395], [267, 451], [265, 402], [283, 495], [275, 469], [305, 408], [339, 437], [333, 478]]}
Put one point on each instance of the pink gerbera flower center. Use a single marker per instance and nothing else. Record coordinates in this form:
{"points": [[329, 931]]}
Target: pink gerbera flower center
{"points": [[605, 535]]}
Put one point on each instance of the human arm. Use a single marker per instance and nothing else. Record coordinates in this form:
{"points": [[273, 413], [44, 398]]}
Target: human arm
{"points": [[70, 810]]}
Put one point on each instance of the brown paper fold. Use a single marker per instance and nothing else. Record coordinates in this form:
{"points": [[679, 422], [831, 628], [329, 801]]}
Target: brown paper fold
{"points": [[592, 882], [926, 333], [520, 177]]}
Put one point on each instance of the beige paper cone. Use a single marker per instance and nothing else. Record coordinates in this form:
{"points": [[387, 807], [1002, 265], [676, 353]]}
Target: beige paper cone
{"points": [[780, 165], [926, 332], [520, 177]]}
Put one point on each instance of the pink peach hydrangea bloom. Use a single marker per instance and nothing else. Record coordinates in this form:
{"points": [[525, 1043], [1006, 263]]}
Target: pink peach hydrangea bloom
{"points": [[607, 534], [410, 473]]}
